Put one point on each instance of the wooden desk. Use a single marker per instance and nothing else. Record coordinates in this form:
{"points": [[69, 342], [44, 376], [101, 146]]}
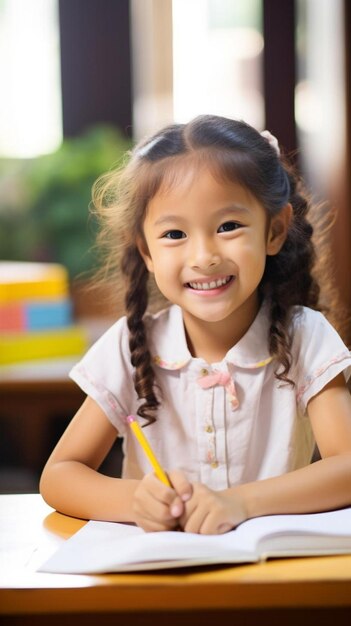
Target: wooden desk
{"points": [[284, 592]]}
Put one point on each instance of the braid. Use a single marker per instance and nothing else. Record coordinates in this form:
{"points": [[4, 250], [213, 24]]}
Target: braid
{"points": [[288, 280], [136, 300]]}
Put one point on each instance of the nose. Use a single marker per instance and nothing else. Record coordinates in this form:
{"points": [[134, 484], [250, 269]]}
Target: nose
{"points": [[204, 254]]}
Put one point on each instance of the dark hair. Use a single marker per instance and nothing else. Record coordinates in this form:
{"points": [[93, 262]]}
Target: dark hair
{"points": [[235, 152]]}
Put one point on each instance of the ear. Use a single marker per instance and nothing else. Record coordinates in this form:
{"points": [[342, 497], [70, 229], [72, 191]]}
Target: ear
{"points": [[278, 230], [144, 253]]}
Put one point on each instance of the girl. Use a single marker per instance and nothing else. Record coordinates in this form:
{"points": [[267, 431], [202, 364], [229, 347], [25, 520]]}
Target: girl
{"points": [[240, 376]]}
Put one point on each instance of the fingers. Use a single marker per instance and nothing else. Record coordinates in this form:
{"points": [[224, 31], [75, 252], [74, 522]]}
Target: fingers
{"points": [[181, 485], [204, 522], [153, 525], [191, 506], [195, 523], [197, 509], [183, 489], [151, 487], [152, 505], [207, 512]]}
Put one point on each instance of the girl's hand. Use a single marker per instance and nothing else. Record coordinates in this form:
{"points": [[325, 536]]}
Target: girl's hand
{"points": [[211, 512], [157, 507]]}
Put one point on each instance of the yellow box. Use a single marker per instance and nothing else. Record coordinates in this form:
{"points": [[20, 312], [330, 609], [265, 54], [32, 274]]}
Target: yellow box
{"points": [[32, 281], [27, 346]]}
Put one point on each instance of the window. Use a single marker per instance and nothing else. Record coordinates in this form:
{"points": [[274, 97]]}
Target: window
{"points": [[217, 59], [320, 90], [196, 56], [30, 106]]}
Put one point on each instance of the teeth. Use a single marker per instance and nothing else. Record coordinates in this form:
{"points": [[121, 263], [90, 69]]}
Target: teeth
{"points": [[212, 285]]}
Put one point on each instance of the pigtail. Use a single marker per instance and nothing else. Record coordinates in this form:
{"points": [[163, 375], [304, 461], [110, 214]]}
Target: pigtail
{"points": [[279, 340], [136, 301], [289, 281]]}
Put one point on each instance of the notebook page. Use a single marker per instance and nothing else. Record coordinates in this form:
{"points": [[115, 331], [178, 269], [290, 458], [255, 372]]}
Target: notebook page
{"points": [[107, 546]]}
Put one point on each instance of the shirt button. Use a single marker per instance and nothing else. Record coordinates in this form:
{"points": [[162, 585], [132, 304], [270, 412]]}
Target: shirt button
{"points": [[204, 372], [214, 464], [209, 429]]}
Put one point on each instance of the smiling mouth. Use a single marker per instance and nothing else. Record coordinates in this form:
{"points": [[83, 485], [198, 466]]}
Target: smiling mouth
{"points": [[213, 284]]}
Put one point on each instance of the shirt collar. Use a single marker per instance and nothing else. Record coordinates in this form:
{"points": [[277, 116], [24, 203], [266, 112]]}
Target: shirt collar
{"points": [[169, 348], [168, 345]]}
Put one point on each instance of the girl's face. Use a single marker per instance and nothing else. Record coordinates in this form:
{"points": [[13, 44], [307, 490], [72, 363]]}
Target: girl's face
{"points": [[206, 244]]}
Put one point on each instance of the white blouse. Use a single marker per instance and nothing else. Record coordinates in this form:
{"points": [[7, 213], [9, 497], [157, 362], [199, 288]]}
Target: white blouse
{"points": [[222, 423]]}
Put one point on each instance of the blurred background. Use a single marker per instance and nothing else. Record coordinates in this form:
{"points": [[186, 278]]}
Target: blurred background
{"points": [[81, 81]]}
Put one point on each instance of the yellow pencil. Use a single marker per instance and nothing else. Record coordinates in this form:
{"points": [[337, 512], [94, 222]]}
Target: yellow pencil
{"points": [[160, 473]]}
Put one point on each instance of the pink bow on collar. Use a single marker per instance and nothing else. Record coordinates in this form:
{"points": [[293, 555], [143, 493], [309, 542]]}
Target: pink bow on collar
{"points": [[220, 378]]}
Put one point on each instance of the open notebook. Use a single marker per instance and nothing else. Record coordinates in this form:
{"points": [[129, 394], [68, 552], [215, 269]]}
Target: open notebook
{"points": [[111, 547]]}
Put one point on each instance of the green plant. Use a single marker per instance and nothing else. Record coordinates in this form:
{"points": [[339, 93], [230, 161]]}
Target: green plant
{"points": [[44, 202]]}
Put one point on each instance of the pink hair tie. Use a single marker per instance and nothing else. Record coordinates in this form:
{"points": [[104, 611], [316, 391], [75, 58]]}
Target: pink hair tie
{"points": [[273, 141]]}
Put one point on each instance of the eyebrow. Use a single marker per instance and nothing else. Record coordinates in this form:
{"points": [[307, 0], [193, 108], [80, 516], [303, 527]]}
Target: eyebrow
{"points": [[233, 208], [166, 218]]}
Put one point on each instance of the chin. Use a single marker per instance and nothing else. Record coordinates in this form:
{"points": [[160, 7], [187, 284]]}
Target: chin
{"points": [[212, 317]]}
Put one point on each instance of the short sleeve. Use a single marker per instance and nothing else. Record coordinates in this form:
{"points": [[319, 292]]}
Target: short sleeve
{"points": [[319, 355], [106, 375]]}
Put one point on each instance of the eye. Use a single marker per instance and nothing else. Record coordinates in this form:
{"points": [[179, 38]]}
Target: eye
{"points": [[228, 227], [174, 234]]}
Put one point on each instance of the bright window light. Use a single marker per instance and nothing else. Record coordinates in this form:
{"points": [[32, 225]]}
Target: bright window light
{"points": [[30, 105], [217, 59], [319, 94]]}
